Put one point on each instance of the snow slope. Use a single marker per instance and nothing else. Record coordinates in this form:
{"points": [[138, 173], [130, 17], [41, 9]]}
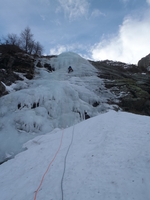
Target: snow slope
{"points": [[109, 158], [37, 106]]}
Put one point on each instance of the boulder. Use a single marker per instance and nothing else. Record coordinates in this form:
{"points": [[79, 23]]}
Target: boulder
{"points": [[48, 66], [144, 62], [39, 64]]}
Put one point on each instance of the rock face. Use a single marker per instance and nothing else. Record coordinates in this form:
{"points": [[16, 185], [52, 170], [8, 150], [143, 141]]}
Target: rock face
{"points": [[131, 81], [46, 65], [12, 60], [144, 62], [39, 64]]}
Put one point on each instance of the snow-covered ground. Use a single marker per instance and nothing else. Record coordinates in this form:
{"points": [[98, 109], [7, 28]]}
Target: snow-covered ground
{"points": [[109, 158], [38, 106], [105, 157]]}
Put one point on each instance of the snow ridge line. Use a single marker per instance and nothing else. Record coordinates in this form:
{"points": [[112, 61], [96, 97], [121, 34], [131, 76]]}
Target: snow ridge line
{"points": [[65, 159], [49, 165]]}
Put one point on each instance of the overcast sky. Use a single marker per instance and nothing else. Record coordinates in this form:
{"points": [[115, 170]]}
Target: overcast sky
{"points": [[96, 29]]}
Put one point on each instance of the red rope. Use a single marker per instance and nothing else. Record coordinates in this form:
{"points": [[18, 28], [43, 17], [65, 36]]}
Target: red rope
{"points": [[49, 166]]}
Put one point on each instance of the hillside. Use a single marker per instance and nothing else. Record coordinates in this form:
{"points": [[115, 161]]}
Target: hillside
{"points": [[132, 81]]}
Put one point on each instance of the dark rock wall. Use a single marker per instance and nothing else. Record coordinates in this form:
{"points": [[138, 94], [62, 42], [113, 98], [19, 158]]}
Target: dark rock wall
{"points": [[12, 60], [130, 80]]}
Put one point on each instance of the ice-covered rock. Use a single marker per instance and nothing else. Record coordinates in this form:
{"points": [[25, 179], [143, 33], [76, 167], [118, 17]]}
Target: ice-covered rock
{"points": [[50, 100]]}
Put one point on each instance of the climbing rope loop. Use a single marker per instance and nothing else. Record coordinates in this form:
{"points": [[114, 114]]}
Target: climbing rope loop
{"points": [[49, 165], [64, 168]]}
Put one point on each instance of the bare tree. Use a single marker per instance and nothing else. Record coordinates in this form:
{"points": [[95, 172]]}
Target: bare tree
{"points": [[13, 39], [26, 38], [25, 42], [31, 47], [38, 48]]}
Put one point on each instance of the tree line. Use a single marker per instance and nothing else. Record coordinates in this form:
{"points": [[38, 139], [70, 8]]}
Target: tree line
{"points": [[25, 42]]}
